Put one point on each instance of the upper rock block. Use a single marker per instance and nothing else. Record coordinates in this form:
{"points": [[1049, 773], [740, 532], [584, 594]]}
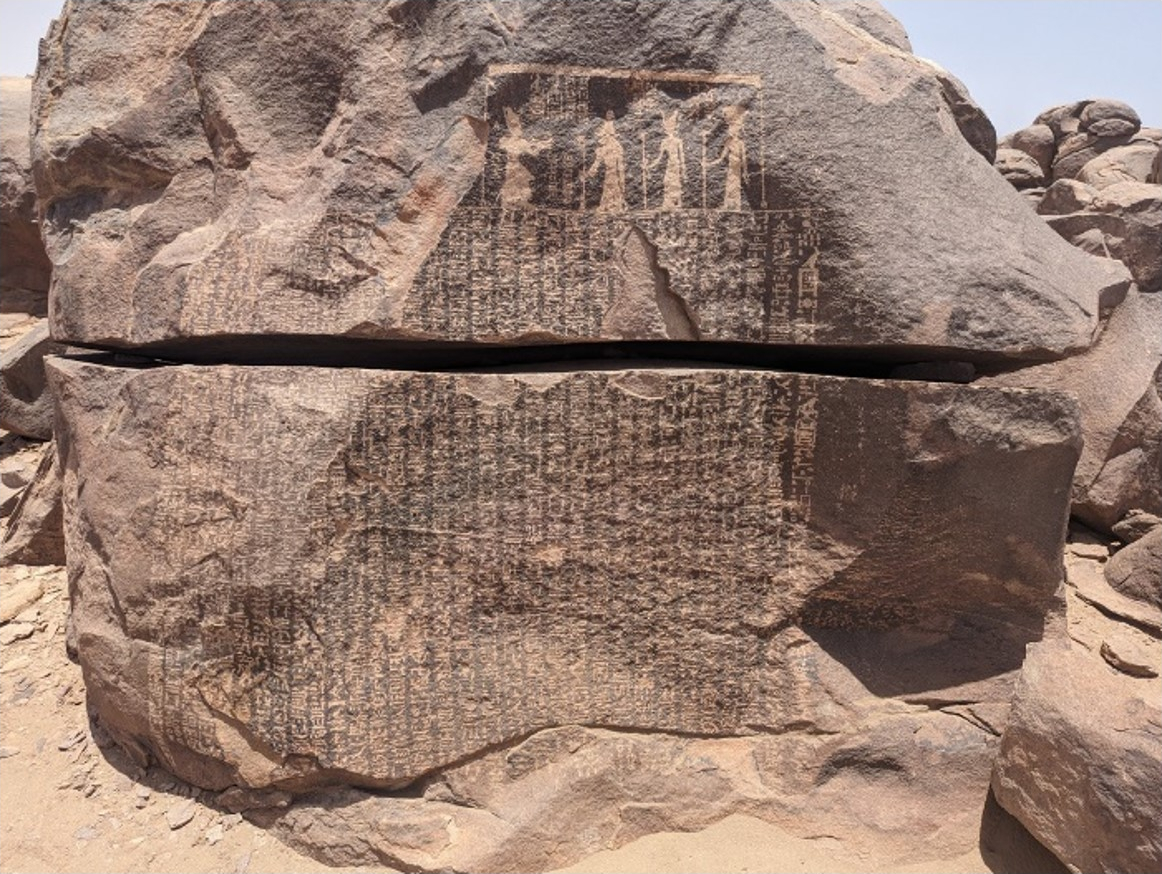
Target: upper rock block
{"points": [[533, 173]]}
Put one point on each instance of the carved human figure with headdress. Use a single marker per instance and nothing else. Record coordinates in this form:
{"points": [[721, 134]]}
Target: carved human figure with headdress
{"points": [[674, 154], [610, 156]]}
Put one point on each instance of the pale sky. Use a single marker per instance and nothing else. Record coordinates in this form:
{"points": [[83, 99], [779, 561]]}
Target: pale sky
{"points": [[1017, 57]]}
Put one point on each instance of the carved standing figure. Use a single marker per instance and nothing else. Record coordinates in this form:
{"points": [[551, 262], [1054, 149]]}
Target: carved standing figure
{"points": [[674, 154], [611, 156], [734, 154], [517, 189]]}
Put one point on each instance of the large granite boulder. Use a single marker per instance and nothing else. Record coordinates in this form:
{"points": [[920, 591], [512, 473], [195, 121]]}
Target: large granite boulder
{"points": [[299, 577], [1080, 762], [25, 266], [1118, 385], [523, 172]]}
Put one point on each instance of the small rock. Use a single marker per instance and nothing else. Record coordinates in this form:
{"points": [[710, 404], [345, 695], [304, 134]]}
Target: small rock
{"points": [[20, 597], [142, 792], [180, 814], [1066, 196], [8, 752], [213, 835], [237, 799], [1019, 168], [15, 631], [1130, 657], [71, 740], [17, 664], [87, 833], [231, 819], [1135, 525], [243, 864], [1089, 550]]}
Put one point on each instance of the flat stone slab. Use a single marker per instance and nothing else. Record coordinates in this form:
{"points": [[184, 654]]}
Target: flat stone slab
{"points": [[295, 576]]}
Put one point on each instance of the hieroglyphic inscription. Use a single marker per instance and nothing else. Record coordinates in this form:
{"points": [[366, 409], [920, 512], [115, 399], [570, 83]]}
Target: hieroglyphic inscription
{"points": [[491, 553], [578, 157]]}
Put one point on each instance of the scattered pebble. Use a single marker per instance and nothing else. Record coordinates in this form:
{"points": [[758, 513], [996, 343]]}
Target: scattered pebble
{"points": [[1089, 550], [180, 814], [71, 740], [213, 835], [17, 664], [8, 752], [15, 631], [19, 598], [87, 833]]}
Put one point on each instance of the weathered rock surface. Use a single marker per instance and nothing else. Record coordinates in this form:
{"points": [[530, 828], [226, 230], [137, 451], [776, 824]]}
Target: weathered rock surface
{"points": [[519, 808], [25, 265], [1080, 762], [1117, 383], [533, 173], [872, 17], [409, 568], [1130, 163], [35, 533], [1127, 217], [25, 404], [1019, 169]]}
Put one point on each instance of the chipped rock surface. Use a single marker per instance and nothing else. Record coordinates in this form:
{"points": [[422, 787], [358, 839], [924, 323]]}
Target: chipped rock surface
{"points": [[1117, 384]]}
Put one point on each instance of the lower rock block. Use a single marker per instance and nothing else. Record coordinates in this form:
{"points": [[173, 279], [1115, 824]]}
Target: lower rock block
{"points": [[298, 577]]}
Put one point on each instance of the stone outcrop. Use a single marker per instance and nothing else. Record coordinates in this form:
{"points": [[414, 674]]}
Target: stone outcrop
{"points": [[25, 266], [1117, 383], [1089, 168], [533, 173], [25, 405]]}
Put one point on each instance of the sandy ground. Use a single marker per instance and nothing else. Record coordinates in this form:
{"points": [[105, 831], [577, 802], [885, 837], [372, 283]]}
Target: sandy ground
{"points": [[71, 801]]}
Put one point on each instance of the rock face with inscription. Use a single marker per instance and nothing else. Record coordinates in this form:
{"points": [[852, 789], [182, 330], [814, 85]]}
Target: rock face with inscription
{"points": [[411, 568], [533, 172], [505, 473]]}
